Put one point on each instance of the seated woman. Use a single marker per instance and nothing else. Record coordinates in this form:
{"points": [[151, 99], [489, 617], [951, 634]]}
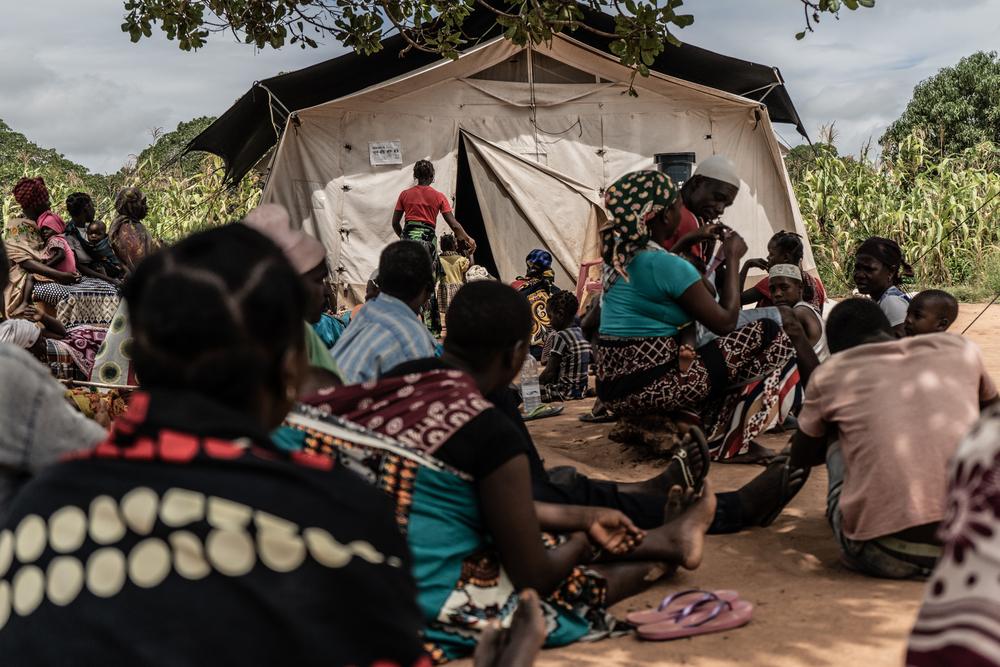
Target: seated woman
{"points": [[537, 285], [88, 238], [458, 472], [25, 249], [187, 537], [879, 269], [129, 238], [649, 296], [783, 248]]}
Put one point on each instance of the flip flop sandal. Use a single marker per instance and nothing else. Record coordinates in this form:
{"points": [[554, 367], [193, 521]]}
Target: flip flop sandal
{"points": [[681, 456], [591, 418], [786, 494], [543, 411], [705, 618], [675, 605]]}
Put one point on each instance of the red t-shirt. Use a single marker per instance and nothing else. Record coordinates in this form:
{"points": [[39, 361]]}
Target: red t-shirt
{"points": [[688, 224], [422, 203], [819, 292]]}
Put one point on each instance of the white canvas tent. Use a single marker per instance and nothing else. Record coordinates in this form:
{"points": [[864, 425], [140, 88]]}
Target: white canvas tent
{"points": [[543, 131]]}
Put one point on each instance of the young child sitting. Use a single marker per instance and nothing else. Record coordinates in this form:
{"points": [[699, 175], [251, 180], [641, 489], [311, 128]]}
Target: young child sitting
{"points": [[58, 253], [454, 266], [99, 246], [931, 311], [566, 356]]}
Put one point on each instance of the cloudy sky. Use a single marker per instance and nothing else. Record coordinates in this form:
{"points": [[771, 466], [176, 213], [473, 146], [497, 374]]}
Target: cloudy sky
{"points": [[73, 81]]}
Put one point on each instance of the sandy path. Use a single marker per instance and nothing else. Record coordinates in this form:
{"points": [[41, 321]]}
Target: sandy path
{"points": [[810, 611]]}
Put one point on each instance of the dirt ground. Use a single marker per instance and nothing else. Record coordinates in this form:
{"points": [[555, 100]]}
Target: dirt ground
{"points": [[810, 610]]}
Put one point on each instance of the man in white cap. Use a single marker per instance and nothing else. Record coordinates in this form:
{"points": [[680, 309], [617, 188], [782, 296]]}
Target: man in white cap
{"points": [[704, 197]]}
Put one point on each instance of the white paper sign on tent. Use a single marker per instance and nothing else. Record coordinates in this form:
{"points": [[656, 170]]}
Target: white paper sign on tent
{"points": [[385, 152]]}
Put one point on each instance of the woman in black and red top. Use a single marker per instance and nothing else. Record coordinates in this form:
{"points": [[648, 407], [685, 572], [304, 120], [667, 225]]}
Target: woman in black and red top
{"points": [[188, 537]]}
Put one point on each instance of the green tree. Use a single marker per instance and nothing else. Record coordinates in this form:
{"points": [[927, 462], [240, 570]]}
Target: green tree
{"points": [[169, 147], [956, 109], [642, 27]]}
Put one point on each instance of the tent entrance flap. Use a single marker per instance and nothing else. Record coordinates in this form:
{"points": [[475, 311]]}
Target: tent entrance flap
{"points": [[526, 205], [469, 213]]}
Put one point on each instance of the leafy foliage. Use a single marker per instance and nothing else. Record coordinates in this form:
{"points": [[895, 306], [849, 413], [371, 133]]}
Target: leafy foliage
{"points": [[169, 147], [933, 206], [642, 27], [184, 195], [957, 108]]}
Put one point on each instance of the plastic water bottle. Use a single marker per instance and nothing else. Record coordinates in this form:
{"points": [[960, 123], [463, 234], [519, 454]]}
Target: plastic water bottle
{"points": [[531, 393]]}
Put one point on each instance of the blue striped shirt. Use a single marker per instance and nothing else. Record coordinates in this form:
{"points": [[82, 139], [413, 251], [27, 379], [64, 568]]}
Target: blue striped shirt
{"points": [[385, 333]]}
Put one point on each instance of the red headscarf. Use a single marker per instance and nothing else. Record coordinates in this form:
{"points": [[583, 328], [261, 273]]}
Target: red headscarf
{"points": [[50, 220], [31, 193]]}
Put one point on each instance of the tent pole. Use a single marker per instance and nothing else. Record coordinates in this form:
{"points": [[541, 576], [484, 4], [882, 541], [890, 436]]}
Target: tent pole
{"points": [[534, 115]]}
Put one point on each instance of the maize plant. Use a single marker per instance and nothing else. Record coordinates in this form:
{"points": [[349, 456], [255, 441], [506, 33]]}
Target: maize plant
{"points": [[943, 211], [179, 203]]}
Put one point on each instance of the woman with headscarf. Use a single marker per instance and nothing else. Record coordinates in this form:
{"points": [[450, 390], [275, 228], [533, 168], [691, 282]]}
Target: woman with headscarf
{"points": [[879, 269], [650, 295], [25, 248], [538, 284], [130, 239]]}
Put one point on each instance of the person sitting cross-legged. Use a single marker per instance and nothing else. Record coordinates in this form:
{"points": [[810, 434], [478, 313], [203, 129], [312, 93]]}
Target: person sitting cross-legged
{"points": [[887, 416], [388, 330]]}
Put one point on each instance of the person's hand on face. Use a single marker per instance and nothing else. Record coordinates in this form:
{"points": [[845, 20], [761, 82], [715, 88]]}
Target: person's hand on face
{"points": [[758, 263]]}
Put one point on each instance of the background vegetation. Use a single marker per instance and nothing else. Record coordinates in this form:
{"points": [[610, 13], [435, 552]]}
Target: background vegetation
{"points": [[185, 193]]}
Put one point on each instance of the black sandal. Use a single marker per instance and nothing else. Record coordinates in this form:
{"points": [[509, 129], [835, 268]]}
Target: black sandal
{"points": [[789, 478], [681, 456]]}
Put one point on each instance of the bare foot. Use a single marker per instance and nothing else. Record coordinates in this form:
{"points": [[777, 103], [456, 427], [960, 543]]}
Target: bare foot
{"points": [[491, 641], [518, 645], [685, 357], [677, 501], [691, 527]]}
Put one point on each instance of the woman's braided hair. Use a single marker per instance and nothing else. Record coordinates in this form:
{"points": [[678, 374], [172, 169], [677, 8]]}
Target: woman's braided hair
{"points": [[216, 314]]}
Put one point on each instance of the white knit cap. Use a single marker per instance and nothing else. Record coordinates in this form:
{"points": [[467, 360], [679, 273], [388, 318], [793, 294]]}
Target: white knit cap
{"points": [[720, 168], [786, 271], [477, 272]]}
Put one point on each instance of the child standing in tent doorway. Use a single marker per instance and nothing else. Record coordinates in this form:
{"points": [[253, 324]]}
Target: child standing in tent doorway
{"points": [[454, 267]]}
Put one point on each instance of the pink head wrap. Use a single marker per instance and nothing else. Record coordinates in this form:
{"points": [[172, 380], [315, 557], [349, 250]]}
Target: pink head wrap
{"points": [[50, 220], [303, 252]]}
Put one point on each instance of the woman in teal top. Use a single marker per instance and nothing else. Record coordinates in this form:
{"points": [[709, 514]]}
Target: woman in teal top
{"points": [[651, 297]]}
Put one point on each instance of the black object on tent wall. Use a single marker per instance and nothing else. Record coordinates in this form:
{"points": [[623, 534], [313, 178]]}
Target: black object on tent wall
{"points": [[678, 166]]}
